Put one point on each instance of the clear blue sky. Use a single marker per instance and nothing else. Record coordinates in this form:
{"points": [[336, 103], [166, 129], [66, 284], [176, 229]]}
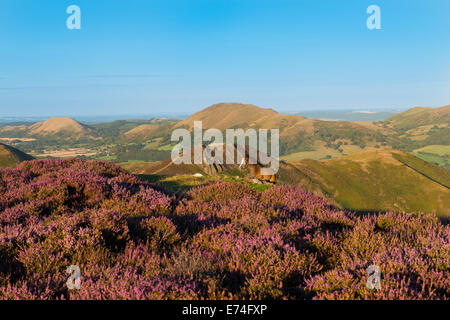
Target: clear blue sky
{"points": [[153, 56]]}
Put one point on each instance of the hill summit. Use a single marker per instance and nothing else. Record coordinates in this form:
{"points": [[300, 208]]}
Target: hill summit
{"points": [[228, 115], [58, 125]]}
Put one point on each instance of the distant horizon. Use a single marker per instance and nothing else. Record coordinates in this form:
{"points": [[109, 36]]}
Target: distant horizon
{"points": [[183, 115], [369, 113]]}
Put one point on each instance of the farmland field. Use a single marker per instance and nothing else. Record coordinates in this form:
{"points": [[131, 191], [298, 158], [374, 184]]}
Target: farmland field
{"points": [[438, 150], [439, 154], [66, 153]]}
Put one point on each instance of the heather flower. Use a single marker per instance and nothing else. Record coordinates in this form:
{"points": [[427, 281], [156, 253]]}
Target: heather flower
{"points": [[220, 241]]}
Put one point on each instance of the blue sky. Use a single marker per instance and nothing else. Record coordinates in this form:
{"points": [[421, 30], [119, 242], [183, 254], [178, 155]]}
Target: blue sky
{"points": [[179, 56]]}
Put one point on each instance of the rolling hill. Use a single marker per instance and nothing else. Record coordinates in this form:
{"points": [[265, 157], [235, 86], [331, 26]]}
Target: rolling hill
{"points": [[159, 129], [363, 173], [59, 125], [423, 131], [419, 117], [299, 137], [56, 128], [141, 132], [422, 126], [10, 156], [375, 180], [224, 116]]}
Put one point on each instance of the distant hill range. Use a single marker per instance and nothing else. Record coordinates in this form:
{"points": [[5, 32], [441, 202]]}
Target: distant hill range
{"points": [[10, 156], [300, 138], [347, 115]]}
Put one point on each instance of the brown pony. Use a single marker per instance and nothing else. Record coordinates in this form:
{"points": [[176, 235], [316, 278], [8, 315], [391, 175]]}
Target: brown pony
{"points": [[258, 171]]}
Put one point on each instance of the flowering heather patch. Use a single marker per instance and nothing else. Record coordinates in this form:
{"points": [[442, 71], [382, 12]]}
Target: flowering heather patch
{"points": [[222, 241]]}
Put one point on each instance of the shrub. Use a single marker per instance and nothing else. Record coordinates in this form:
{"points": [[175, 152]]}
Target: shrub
{"points": [[160, 232]]}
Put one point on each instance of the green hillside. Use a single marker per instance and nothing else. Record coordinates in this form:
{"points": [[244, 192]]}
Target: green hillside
{"points": [[423, 131], [380, 180], [420, 116]]}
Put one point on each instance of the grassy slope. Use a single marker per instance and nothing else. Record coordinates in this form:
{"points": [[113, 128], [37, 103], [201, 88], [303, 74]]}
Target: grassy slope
{"points": [[10, 156], [424, 131], [434, 173], [377, 181], [420, 116]]}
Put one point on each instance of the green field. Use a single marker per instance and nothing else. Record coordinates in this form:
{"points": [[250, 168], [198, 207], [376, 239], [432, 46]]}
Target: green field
{"points": [[435, 149], [437, 154]]}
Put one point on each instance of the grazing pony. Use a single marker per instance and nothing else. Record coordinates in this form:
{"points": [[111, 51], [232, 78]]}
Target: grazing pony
{"points": [[258, 171]]}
